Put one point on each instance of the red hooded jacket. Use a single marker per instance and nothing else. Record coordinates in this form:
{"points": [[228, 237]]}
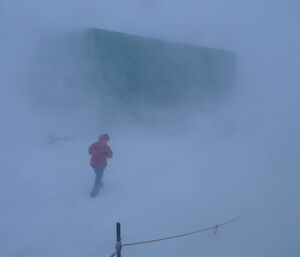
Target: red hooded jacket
{"points": [[99, 151]]}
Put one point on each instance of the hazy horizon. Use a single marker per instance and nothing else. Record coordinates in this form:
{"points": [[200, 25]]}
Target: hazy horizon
{"points": [[190, 169]]}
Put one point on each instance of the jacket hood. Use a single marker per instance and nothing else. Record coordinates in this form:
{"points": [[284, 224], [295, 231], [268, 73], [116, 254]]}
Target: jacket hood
{"points": [[103, 138]]}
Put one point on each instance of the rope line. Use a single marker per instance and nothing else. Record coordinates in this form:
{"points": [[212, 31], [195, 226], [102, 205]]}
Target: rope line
{"points": [[118, 249], [113, 254], [215, 228]]}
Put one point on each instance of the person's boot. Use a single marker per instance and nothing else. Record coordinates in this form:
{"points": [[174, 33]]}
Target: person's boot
{"points": [[94, 192]]}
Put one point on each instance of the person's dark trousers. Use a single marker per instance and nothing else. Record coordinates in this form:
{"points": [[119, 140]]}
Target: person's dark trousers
{"points": [[99, 174]]}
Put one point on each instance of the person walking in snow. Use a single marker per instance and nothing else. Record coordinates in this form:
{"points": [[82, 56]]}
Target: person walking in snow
{"points": [[99, 152]]}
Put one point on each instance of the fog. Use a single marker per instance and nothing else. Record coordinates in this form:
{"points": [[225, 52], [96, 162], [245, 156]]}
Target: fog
{"points": [[186, 168]]}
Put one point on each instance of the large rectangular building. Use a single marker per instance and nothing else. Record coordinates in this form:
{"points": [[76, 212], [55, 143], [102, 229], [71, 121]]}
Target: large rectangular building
{"points": [[129, 71]]}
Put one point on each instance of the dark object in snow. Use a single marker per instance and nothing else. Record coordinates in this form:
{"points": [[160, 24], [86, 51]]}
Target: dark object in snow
{"points": [[54, 139]]}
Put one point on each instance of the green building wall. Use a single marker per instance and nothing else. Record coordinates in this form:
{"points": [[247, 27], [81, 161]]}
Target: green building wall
{"points": [[129, 71], [138, 70]]}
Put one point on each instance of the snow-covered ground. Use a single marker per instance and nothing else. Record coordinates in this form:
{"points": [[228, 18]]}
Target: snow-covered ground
{"points": [[159, 183]]}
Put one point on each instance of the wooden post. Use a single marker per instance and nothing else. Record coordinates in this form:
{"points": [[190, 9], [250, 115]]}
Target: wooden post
{"points": [[119, 243]]}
